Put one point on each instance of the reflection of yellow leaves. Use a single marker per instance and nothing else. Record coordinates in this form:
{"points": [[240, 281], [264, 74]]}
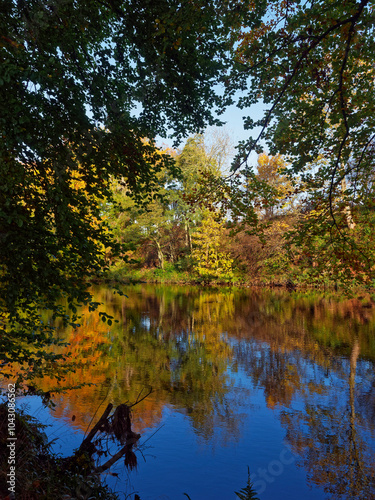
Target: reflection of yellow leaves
{"points": [[121, 362], [120, 365]]}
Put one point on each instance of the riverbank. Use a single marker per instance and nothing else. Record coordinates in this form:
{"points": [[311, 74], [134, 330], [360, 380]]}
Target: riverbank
{"points": [[172, 276], [29, 469]]}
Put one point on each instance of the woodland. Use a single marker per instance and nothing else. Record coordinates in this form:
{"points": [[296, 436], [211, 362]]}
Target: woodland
{"points": [[86, 195]]}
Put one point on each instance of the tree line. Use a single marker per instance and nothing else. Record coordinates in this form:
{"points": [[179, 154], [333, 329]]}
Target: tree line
{"points": [[207, 225]]}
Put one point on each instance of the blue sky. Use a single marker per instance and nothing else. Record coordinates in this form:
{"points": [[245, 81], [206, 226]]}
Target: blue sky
{"points": [[233, 117]]}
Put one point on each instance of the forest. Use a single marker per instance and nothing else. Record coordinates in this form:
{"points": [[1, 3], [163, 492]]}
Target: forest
{"points": [[205, 227], [89, 88]]}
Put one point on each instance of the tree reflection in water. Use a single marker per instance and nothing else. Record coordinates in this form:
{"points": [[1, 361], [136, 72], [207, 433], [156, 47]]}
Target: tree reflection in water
{"points": [[332, 439], [312, 356]]}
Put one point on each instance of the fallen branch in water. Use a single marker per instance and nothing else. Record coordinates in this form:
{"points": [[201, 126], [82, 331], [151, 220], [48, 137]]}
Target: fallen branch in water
{"points": [[118, 425], [85, 445]]}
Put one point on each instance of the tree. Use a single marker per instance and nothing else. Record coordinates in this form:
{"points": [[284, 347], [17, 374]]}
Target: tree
{"points": [[72, 74], [195, 164], [311, 63], [211, 260], [151, 223], [161, 230], [277, 186]]}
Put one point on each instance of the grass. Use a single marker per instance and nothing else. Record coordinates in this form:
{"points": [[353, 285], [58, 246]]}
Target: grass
{"points": [[121, 272]]}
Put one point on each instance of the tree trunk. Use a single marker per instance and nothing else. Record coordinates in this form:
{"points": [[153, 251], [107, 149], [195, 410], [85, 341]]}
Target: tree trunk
{"points": [[347, 211], [160, 255], [188, 236]]}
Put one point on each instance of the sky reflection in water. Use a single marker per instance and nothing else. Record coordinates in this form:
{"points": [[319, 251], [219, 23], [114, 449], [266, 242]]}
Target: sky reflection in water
{"points": [[282, 383]]}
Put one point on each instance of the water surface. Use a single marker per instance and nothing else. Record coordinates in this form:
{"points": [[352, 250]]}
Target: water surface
{"points": [[282, 383]]}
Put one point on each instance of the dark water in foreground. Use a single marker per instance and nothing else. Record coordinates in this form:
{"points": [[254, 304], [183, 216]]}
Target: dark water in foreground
{"points": [[281, 382]]}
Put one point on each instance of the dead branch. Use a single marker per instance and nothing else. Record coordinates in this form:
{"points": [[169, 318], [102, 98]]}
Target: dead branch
{"points": [[86, 443]]}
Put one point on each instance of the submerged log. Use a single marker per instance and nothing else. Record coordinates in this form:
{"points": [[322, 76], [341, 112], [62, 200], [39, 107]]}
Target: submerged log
{"points": [[101, 425], [118, 425]]}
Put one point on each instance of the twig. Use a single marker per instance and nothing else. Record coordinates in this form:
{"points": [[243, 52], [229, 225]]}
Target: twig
{"points": [[97, 410], [153, 434], [139, 400], [115, 457]]}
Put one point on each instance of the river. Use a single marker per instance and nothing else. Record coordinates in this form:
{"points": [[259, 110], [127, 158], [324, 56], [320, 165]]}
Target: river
{"points": [[280, 383]]}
